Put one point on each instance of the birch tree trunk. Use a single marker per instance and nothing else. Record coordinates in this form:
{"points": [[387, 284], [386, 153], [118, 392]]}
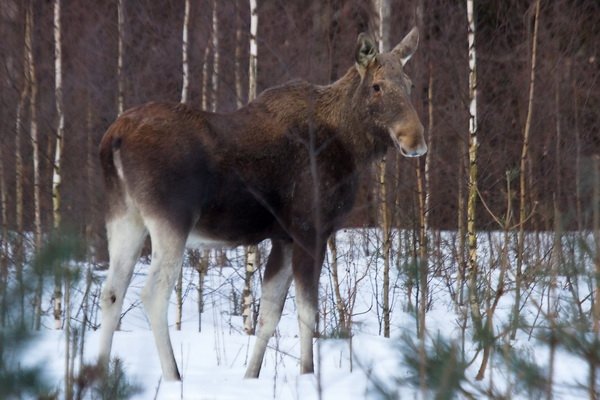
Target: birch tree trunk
{"points": [[522, 176], [344, 326], [253, 61], [239, 95], [423, 196], [185, 87], [184, 99], [202, 266], [386, 230], [90, 159], [120, 77], [251, 251], [33, 131], [56, 170], [215, 49], [248, 307], [120, 74], [205, 73], [383, 11], [472, 185]]}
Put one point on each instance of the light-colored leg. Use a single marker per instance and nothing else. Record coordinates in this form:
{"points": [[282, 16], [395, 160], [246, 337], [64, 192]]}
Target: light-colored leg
{"points": [[167, 254], [126, 234], [276, 283], [307, 269]]}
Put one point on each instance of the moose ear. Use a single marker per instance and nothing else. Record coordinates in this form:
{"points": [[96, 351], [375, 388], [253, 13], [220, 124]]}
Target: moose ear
{"points": [[365, 52], [407, 47]]}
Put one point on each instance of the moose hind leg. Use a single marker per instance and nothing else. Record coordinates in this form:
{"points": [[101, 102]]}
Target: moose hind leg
{"points": [[168, 245], [126, 234], [276, 283], [307, 269]]}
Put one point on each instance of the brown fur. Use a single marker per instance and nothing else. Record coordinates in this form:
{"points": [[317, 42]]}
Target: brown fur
{"points": [[285, 167]]}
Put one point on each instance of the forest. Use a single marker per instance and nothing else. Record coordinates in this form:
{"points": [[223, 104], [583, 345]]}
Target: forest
{"points": [[508, 92]]}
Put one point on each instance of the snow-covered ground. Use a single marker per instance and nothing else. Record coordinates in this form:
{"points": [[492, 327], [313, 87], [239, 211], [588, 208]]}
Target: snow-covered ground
{"points": [[213, 361]]}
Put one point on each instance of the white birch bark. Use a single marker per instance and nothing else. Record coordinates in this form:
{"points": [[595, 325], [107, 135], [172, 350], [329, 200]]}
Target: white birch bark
{"points": [[383, 13], [185, 87], [238, 57], [56, 170], [215, 49], [33, 131], [248, 292], [472, 187], [120, 77], [184, 99], [251, 251], [205, 78], [253, 61]]}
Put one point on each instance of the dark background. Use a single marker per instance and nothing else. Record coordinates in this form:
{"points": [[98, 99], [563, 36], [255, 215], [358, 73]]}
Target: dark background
{"points": [[314, 40]]}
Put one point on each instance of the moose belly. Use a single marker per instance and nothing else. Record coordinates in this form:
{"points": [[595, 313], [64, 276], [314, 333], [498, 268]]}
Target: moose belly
{"points": [[202, 241], [228, 222]]}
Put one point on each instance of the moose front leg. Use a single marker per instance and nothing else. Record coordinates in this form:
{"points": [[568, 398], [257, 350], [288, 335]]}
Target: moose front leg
{"points": [[306, 265], [276, 283]]}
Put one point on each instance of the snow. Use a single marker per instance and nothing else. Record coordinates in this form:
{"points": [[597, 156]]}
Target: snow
{"points": [[212, 362]]}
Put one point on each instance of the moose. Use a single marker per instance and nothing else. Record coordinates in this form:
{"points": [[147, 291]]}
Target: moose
{"points": [[285, 167]]}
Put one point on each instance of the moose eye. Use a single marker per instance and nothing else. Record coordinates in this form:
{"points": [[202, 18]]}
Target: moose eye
{"points": [[376, 88]]}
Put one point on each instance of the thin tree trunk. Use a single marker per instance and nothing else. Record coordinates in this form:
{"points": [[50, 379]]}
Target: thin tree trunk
{"points": [[239, 95], [33, 131], [522, 176], [205, 73], [462, 229], [184, 99], [557, 256], [578, 210], [19, 156], [3, 245], [120, 76], [593, 363], [247, 294], [185, 87], [68, 338], [253, 61], [383, 8], [251, 251], [90, 158], [3, 200], [423, 184], [56, 170], [19, 246], [472, 188], [386, 229], [596, 235], [202, 264], [215, 49], [344, 327], [383, 11]]}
